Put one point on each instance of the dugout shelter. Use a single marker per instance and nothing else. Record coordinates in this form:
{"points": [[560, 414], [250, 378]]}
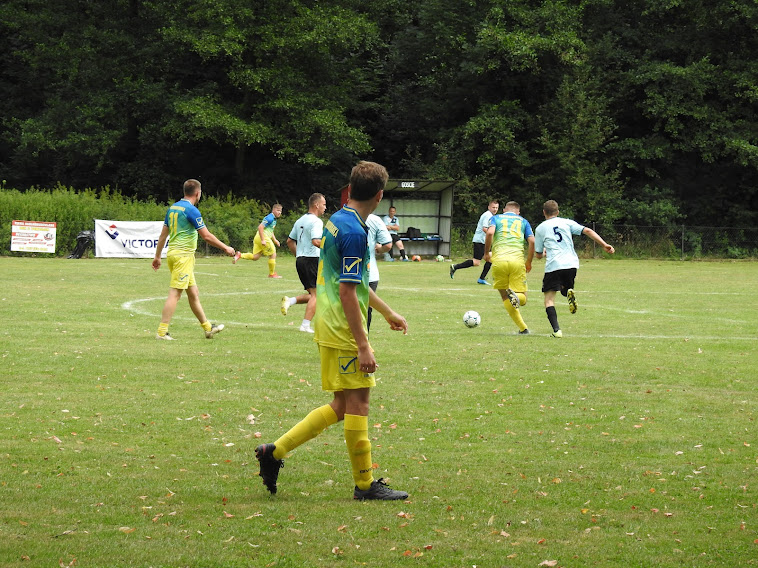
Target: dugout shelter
{"points": [[425, 211]]}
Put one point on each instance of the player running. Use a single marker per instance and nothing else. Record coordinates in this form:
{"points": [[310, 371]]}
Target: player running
{"points": [[553, 238], [504, 247]]}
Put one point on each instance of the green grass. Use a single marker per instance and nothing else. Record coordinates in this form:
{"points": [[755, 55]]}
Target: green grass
{"points": [[629, 442]]}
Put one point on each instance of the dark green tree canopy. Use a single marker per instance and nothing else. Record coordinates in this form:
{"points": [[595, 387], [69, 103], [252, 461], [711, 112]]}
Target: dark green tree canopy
{"points": [[641, 111]]}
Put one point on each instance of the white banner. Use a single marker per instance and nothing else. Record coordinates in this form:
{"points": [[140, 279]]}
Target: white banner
{"points": [[128, 239], [33, 236]]}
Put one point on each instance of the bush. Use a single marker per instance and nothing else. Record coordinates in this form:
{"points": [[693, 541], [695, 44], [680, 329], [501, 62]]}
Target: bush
{"points": [[233, 220]]}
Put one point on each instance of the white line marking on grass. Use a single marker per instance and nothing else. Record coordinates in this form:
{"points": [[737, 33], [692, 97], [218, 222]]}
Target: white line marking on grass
{"points": [[135, 307]]}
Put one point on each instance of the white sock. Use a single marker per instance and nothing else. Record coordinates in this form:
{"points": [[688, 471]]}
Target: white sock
{"points": [[293, 301], [306, 323]]}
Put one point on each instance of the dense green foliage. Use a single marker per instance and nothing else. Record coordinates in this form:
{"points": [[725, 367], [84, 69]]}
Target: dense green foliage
{"points": [[641, 111], [232, 219]]}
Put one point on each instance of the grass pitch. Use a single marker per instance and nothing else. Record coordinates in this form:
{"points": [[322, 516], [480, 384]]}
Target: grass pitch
{"points": [[629, 442]]}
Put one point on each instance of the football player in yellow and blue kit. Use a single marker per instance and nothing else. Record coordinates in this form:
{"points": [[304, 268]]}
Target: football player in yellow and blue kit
{"points": [[182, 224], [347, 360], [504, 247], [265, 242]]}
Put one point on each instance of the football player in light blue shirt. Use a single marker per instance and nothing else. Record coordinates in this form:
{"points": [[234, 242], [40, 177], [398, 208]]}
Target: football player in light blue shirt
{"points": [[379, 241], [393, 227], [478, 240], [304, 241], [554, 239]]}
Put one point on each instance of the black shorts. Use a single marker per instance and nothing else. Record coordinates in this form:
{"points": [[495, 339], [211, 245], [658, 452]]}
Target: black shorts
{"points": [[478, 251], [559, 280], [307, 270], [395, 237]]}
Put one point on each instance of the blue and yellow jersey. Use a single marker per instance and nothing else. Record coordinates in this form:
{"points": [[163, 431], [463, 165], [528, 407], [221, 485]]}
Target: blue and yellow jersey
{"points": [[183, 221], [344, 258], [269, 222], [508, 240]]}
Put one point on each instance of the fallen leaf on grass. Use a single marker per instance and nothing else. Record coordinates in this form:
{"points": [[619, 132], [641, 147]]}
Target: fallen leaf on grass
{"points": [[549, 563]]}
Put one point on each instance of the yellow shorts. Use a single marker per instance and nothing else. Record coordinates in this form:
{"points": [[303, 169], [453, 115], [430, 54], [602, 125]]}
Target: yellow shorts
{"points": [[339, 370], [267, 250], [509, 274], [182, 269]]}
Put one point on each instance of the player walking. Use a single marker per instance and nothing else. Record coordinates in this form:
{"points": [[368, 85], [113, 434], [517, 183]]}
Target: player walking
{"points": [[553, 238], [347, 360], [182, 225]]}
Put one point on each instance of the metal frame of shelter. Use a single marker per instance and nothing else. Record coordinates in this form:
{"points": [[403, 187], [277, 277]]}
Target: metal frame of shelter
{"points": [[424, 205]]}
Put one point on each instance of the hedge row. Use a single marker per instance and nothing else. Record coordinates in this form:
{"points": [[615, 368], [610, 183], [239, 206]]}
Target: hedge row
{"points": [[233, 220]]}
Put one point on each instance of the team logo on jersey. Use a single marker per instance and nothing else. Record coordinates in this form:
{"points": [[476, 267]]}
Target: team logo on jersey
{"points": [[351, 266], [347, 365]]}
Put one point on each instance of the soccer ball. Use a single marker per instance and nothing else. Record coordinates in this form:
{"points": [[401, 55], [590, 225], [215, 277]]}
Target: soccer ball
{"points": [[416, 258], [440, 258], [472, 318]]}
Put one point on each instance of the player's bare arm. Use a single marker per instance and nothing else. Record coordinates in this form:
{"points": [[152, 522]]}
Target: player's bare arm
{"points": [[349, 301], [292, 245], [396, 321], [159, 247], [529, 254], [212, 240], [488, 238], [599, 240], [261, 234]]}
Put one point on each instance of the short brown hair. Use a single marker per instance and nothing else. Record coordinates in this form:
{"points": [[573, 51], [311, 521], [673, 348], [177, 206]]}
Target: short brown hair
{"points": [[550, 207], [190, 187], [513, 205], [366, 180], [315, 198]]}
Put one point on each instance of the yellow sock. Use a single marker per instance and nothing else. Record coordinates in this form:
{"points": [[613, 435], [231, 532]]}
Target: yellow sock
{"points": [[521, 298], [515, 315], [359, 450], [271, 265], [162, 328], [307, 429], [206, 325], [247, 256]]}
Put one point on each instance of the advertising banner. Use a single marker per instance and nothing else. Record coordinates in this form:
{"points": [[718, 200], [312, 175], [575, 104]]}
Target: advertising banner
{"points": [[127, 239], [33, 236]]}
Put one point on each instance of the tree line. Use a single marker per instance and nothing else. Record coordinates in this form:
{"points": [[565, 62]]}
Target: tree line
{"points": [[635, 111]]}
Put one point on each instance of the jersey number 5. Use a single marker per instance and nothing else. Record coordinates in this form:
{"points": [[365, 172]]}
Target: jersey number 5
{"points": [[558, 235]]}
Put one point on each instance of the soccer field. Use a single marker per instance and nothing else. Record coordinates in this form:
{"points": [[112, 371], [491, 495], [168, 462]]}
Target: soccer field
{"points": [[629, 442]]}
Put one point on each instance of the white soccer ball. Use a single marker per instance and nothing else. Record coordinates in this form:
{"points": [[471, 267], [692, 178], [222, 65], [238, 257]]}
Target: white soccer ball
{"points": [[472, 318], [440, 258]]}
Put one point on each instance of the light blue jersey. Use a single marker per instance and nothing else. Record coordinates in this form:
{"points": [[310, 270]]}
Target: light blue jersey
{"points": [[481, 227], [555, 237], [377, 234], [391, 221], [305, 229]]}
